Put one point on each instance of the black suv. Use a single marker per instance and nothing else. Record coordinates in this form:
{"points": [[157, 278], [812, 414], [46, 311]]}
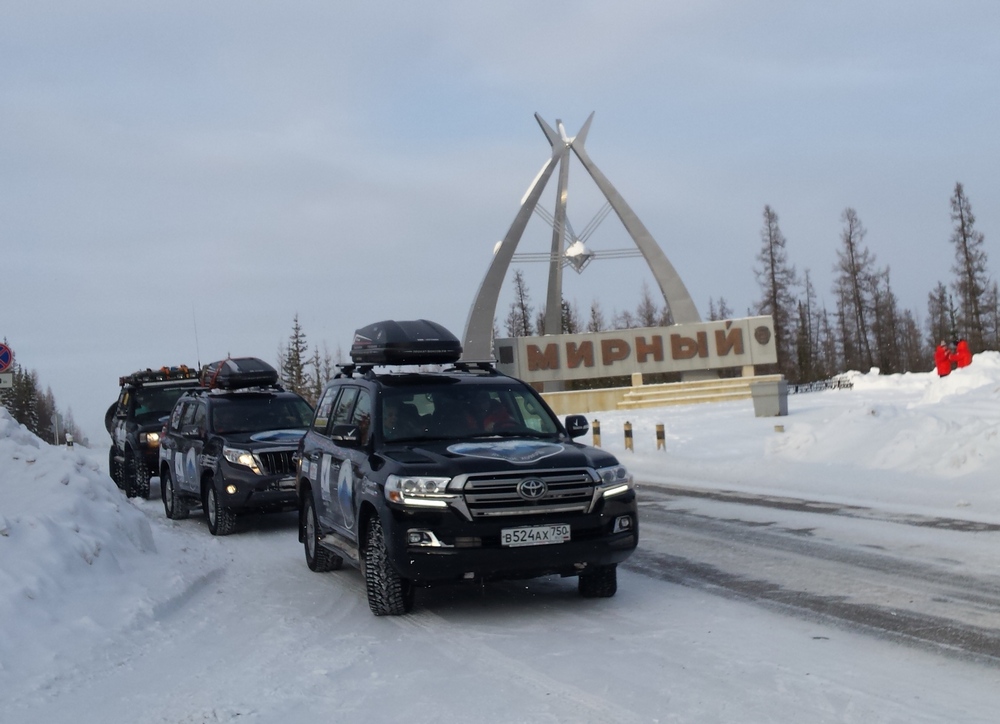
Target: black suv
{"points": [[134, 422], [228, 446], [465, 474]]}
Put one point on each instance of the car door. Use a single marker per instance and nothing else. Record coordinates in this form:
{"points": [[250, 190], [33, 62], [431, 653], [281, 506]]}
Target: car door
{"points": [[120, 433], [324, 460], [190, 439], [315, 443], [350, 460]]}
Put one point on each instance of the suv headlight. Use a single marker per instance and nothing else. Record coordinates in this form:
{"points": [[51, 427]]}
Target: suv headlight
{"points": [[418, 490], [241, 457], [615, 480], [149, 438]]}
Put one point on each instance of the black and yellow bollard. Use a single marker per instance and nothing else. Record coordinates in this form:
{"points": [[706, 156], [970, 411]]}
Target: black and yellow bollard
{"points": [[628, 436], [661, 440], [597, 433]]}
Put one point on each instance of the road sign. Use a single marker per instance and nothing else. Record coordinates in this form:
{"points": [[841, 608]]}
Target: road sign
{"points": [[6, 357], [6, 381]]}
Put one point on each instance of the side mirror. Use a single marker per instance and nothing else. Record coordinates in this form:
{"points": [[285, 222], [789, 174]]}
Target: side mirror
{"points": [[577, 425]]}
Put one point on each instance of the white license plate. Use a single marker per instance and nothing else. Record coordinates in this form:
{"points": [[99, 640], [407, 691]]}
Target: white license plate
{"points": [[534, 535], [286, 484]]}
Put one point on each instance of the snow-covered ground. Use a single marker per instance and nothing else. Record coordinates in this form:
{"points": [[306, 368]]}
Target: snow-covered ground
{"points": [[111, 613]]}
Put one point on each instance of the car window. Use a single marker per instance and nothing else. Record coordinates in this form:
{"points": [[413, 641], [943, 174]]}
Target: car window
{"points": [[459, 411], [152, 403], [253, 413], [175, 416], [362, 416], [200, 415], [323, 409], [187, 417], [345, 405]]}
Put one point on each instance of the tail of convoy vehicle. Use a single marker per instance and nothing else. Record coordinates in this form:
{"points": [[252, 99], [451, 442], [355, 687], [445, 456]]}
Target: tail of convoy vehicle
{"points": [[135, 419], [424, 477]]}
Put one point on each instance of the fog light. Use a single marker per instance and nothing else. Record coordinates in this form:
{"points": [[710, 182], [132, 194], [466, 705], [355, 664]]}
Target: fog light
{"points": [[424, 539], [231, 489], [622, 523]]}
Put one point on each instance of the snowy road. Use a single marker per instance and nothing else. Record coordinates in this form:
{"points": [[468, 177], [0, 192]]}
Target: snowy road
{"points": [[249, 634], [886, 574]]}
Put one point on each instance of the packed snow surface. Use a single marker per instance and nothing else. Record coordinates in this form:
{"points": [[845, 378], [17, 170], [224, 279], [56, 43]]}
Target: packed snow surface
{"points": [[96, 590]]}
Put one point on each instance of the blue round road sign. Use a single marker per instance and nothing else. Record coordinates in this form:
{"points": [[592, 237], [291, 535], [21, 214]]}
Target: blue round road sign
{"points": [[6, 357]]}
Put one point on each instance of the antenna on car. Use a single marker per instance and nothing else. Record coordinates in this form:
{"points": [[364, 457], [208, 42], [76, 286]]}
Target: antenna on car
{"points": [[197, 350]]}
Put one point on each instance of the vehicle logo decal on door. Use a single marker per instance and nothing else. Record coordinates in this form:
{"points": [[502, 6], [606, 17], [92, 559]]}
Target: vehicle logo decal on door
{"points": [[190, 466], [345, 492], [324, 480]]}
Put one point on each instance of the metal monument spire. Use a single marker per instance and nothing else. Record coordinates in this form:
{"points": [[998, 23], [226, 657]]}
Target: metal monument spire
{"points": [[477, 339]]}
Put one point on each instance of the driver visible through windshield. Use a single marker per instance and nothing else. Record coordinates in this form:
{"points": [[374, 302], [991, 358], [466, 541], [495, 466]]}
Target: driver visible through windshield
{"points": [[257, 414], [459, 411]]}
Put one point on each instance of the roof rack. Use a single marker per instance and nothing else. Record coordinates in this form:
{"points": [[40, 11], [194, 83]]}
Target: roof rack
{"points": [[164, 374]]}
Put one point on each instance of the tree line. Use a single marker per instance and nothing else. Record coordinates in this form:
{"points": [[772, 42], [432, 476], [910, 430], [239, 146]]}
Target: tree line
{"points": [[866, 327], [302, 371], [37, 410]]}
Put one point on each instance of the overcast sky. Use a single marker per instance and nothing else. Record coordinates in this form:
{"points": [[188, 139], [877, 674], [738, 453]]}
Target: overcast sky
{"points": [[179, 180]]}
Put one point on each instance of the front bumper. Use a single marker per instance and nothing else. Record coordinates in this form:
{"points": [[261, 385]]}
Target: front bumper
{"points": [[472, 550], [241, 489]]}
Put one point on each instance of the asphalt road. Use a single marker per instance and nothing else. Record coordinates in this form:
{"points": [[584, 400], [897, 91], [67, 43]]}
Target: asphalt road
{"points": [[921, 580]]}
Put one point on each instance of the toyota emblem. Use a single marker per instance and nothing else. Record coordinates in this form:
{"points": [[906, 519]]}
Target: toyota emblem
{"points": [[532, 488]]}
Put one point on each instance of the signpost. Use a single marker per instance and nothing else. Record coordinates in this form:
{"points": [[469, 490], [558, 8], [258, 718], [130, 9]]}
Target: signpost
{"points": [[6, 360]]}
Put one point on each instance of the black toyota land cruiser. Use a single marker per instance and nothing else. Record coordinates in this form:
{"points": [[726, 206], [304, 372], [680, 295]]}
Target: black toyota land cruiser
{"points": [[228, 446], [422, 477]]}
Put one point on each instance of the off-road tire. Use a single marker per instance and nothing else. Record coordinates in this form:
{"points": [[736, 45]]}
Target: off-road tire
{"points": [[600, 582], [221, 520], [114, 468], [318, 558], [389, 594], [175, 506], [136, 475]]}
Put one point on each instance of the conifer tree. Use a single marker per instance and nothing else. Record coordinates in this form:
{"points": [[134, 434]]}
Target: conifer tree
{"points": [[647, 314], [294, 360], [939, 324], [971, 283], [856, 269], [777, 279], [595, 323], [519, 317]]}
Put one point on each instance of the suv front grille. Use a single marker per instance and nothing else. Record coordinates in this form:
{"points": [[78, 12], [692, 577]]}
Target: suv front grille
{"points": [[495, 495], [276, 462]]}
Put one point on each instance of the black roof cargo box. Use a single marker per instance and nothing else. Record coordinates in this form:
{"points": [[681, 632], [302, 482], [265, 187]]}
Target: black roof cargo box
{"points": [[414, 342], [235, 373]]}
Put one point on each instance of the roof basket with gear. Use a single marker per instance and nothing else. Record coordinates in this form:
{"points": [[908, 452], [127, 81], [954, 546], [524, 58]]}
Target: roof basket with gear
{"points": [[413, 342], [235, 373], [164, 374]]}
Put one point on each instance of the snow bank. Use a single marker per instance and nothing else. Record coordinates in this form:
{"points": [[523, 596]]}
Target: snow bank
{"points": [[909, 441], [66, 531]]}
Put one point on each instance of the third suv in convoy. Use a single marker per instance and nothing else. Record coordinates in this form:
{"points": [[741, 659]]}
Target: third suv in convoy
{"points": [[228, 446], [134, 422], [422, 477]]}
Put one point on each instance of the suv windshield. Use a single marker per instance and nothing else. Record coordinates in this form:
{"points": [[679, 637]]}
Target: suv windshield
{"points": [[257, 413], [463, 411], [152, 403]]}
